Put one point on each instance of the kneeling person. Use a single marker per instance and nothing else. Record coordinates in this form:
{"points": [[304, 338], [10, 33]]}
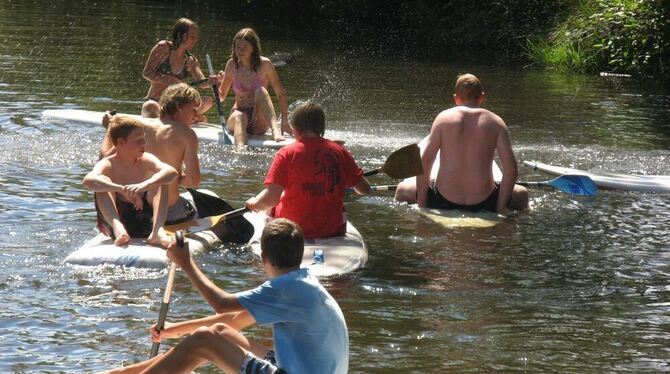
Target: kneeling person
{"points": [[131, 187]]}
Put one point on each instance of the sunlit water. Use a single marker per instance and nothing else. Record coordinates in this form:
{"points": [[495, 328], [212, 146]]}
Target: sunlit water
{"points": [[573, 285]]}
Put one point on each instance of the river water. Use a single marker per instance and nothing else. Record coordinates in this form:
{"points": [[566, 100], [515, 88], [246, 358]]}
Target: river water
{"points": [[573, 285]]}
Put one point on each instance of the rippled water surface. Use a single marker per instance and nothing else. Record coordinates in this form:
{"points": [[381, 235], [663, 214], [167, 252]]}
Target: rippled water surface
{"points": [[573, 285]]}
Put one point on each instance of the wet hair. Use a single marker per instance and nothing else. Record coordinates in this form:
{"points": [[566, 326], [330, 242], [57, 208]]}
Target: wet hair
{"points": [[309, 117], [283, 243], [176, 95], [250, 36], [179, 31], [121, 126], [468, 87]]}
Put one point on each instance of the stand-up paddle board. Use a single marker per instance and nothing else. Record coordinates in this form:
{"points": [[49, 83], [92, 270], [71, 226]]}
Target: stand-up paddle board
{"points": [[628, 182], [204, 131], [323, 256], [459, 218], [101, 249]]}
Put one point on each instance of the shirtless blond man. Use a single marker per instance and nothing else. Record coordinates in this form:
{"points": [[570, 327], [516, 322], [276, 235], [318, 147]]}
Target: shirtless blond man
{"points": [[467, 137], [172, 140], [131, 187]]}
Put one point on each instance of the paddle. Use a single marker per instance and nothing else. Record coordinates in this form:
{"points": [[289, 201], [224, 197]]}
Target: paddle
{"points": [[202, 224], [162, 314], [219, 107], [403, 163], [573, 184]]}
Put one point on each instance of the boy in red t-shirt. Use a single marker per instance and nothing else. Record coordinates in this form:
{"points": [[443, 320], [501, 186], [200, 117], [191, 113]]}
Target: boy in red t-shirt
{"points": [[313, 174]]}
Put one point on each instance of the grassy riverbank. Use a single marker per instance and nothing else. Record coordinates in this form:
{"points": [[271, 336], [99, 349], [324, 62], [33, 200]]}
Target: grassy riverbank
{"points": [[622, 36], [626, 36]]}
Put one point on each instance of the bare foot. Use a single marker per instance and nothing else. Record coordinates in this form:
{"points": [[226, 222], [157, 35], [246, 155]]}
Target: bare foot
{"points": [[160, 239], [121, 235]]}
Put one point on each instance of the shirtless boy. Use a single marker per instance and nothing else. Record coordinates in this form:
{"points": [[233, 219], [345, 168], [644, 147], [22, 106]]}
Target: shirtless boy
{"points": [[467, 137], [173, 141], [309, 331], [131, 187]]}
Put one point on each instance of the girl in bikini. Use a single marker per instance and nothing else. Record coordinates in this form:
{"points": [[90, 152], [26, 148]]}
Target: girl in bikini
{"points": [[249, 73], [169, 63]]}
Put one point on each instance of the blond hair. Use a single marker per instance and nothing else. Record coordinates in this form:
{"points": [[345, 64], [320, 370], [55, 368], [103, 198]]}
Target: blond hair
{"points": [[178, 94], [121, 126], [468, 87]]}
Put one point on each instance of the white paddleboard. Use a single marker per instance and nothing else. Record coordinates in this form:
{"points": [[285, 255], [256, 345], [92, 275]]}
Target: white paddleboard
{"points": [[643, 183], [101, 249], [324, 256], [204, 131]]}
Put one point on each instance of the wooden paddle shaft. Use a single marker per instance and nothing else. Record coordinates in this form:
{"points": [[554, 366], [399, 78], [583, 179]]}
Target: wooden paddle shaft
{"points": [[162, 314]]}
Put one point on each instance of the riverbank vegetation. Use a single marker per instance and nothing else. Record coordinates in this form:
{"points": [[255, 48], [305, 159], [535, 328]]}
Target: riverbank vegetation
{"points": [[626, 36]]}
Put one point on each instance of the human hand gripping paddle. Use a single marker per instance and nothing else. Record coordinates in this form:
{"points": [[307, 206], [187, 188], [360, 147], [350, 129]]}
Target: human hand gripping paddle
{"points": [[403, 163], [573, 184], [162, 314], [202, 224], [219, 107]]}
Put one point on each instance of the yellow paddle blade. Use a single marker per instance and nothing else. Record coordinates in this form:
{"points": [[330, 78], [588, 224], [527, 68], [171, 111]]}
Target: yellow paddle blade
{"points": [[202, 224]]}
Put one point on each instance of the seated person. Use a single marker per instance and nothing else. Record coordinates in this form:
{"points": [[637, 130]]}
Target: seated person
{"points": [[307, 179], [131, 187]]}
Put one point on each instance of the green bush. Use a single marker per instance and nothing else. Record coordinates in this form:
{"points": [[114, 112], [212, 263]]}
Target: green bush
{"points": [[624, 36]]}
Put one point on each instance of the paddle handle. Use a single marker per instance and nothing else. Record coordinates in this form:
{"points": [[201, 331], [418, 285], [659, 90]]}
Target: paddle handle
{"points": [[371, 172], [390, 187], [165, 304], [231, 214], [197, 82], [217, 100]]}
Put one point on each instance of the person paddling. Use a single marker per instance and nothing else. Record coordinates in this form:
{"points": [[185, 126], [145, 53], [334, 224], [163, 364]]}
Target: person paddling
{"points": [[131, 187], [307, 179], [169, 63], [467, 137], [249, 73], [309, 330]]}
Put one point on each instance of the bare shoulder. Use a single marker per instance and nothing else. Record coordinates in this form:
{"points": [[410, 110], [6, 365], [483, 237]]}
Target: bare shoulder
{"points": [[163, 46], [494, 118]]}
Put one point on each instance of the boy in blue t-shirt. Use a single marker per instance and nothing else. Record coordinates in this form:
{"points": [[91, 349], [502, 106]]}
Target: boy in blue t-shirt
{"points": [[310, 334]]}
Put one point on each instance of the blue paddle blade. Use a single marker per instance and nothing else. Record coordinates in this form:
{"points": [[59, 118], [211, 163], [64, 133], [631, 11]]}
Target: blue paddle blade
{"points": [[574, 184]]}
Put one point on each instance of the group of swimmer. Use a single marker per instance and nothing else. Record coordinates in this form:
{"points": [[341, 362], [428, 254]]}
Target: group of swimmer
{"points": [[144, 162]]}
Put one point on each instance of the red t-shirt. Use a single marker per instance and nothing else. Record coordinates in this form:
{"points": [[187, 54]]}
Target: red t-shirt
{"points": [[314, 173]]}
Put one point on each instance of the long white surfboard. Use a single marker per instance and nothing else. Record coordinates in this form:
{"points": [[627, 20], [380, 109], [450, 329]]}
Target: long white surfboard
{"points": [[323, 256], [628, 182], [101, 249], [204, 131]]}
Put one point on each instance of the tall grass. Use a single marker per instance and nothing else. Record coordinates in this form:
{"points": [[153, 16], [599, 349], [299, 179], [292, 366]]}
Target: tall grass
{"points": [[612, 35]]}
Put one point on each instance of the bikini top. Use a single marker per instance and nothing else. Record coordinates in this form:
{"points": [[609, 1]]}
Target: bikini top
{"points": [[165, 67], [238, 87]]}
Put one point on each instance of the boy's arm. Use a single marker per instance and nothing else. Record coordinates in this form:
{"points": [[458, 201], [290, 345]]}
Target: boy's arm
{"points": [[265, 199], [509, 166], [238, 321], [98, 180], [191, 176], [427, 159], [162, 174], [219, 299]]}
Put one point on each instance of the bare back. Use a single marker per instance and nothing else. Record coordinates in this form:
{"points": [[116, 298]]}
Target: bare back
{"points": [[467, 139]]}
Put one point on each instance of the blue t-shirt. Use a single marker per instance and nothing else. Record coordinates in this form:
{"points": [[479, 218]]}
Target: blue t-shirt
{"points": [[310, 334]]}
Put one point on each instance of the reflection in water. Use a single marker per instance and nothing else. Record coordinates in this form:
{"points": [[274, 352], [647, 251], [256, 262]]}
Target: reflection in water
{"points": [[575, 284]]}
